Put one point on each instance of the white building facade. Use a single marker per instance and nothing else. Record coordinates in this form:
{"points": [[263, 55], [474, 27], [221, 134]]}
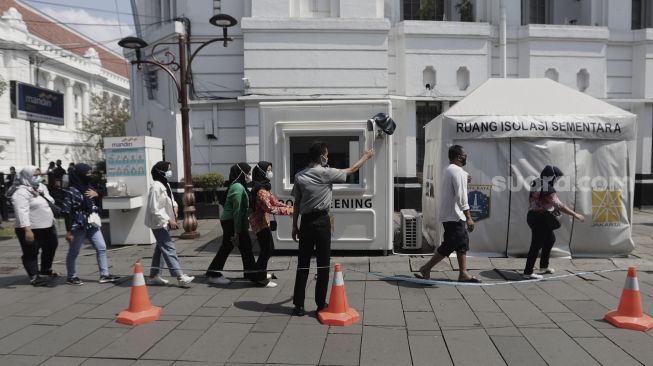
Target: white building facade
{"points": [[36, 49], [423, 55]]}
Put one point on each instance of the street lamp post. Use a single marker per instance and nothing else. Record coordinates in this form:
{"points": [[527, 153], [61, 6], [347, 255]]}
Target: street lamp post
{"points": [[170, 65]]}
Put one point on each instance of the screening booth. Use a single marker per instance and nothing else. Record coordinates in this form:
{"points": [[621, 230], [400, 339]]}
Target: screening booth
{"points": [[361, 210], [511, 129]]}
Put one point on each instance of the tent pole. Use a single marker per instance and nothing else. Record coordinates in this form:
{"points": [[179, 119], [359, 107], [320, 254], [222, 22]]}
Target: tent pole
{"points": [[502, 39]]}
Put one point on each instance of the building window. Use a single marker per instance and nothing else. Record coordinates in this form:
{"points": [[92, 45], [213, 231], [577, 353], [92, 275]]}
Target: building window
{"points": [[583, 80], [641, 14], [440, 10], [534, 12], [551, 73], [462, 78], [315, 8], [424, 113], [428, 77], [344, 151], [423, 10]]}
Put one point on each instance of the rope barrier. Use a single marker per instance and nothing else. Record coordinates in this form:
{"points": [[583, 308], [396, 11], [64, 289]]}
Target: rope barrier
{"points": [[394, 277]]}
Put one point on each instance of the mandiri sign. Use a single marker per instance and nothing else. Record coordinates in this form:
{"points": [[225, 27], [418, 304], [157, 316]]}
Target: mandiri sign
{"points": [[36, 104]]}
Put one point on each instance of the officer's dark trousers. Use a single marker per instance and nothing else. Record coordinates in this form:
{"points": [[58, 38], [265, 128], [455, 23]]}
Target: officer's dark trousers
{"points": [[314, 237]]}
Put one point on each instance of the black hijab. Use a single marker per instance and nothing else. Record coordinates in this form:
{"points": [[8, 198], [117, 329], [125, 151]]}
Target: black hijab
{"points": [[79, 179], [158, 174], [237, 174], [548, 176], [260, 180]]}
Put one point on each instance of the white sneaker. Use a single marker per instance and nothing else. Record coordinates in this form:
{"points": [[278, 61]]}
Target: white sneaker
{"points": [[270, 284], [222, 280], [547, 270], [268, 276], [533, 276], [157, 281], [185, 280]]}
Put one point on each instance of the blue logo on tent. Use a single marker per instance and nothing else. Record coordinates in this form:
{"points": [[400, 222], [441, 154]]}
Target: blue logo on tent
{"points": [[479, 204]]}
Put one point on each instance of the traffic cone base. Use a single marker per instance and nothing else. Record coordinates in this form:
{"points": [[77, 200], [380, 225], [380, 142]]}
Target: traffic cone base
{"points": [[629, 314], [130, 318], [338, 312], [642, 323], [140, 309], [349, 317]]}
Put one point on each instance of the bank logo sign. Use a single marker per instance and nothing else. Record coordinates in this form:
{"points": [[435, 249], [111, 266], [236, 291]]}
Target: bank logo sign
{"points": [[36, 104], [606, 207], [478, 198]]}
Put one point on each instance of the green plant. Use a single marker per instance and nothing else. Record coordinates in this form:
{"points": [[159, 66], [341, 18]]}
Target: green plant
{"points": [[3, 85], [108, 118], [208, 180]]}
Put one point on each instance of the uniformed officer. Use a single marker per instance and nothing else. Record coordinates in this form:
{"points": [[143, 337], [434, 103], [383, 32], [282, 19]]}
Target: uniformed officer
{"points": [[312, 192]]}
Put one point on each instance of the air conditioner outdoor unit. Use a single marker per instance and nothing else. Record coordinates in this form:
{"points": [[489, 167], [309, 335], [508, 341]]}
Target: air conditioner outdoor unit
{"points": [[411, 229]]}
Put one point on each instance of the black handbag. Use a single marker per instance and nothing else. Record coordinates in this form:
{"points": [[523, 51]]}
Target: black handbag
{"points": [[273, 224], [56, 210], [553, 220]]}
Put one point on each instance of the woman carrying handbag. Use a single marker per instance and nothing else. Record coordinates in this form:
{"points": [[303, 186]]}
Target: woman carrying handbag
{"points": [[264, 204], [543, 218], [34, 224]]}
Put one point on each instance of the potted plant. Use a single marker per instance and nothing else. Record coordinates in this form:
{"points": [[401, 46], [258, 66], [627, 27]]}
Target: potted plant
{"points": [[206, 188]]}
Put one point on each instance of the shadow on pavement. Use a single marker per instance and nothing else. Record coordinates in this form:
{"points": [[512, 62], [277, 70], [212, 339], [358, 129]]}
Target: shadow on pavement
{"points": [[271, 308]]}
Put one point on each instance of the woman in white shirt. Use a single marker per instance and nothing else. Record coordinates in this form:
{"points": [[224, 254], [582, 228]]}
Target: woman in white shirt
{"points": [[161, 217], [34, 224]]}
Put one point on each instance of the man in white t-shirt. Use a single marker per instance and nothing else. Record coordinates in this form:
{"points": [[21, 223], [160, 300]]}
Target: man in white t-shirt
{"points": [[454, 216]]}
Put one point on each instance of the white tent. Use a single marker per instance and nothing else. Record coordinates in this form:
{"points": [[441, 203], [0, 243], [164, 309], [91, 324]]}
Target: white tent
{"points": [[511, 129]]}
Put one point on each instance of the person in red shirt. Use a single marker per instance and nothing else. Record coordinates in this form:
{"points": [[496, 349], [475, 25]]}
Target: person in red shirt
{"points": [[544, 209], [263, 205]]}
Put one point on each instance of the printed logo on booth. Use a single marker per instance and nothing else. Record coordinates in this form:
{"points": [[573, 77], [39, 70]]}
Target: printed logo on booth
{"points": [[478, 197], [606, 207]]}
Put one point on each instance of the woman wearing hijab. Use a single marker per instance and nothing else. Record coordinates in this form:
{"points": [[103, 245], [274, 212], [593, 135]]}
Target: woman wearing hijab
{"points": [[80, 203], [234, 227], [543, 212], [161, 217], [34, 224], [264, 204]]}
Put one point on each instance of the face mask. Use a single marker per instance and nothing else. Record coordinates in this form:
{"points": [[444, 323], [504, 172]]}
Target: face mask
{"points": [[36, 180], [269, 175], [248, 178], [168, 174], [325, 161]]}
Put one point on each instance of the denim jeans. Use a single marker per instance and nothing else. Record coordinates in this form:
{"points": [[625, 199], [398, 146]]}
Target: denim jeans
{"points": [[165, 248], [94, 235]]}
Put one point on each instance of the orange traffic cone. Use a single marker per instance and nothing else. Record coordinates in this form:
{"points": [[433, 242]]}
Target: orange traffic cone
{"points": [[629, 315], [338, 312], [140, 309]]}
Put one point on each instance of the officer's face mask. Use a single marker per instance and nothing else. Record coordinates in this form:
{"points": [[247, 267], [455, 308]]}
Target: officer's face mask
{"points": [[324, 160]]}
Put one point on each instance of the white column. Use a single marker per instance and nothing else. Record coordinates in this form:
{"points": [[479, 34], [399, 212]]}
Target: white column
{"points": [[49, 77], [86, 101], [69, 104]]}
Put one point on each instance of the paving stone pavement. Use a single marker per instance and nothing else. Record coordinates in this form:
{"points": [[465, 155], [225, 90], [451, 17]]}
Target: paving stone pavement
{"points": [[543, 323]]}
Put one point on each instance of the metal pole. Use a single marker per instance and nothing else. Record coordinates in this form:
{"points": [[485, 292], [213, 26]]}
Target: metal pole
{"points": [[32, 142], [190, 222], [38, 127], [502, 40]]}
